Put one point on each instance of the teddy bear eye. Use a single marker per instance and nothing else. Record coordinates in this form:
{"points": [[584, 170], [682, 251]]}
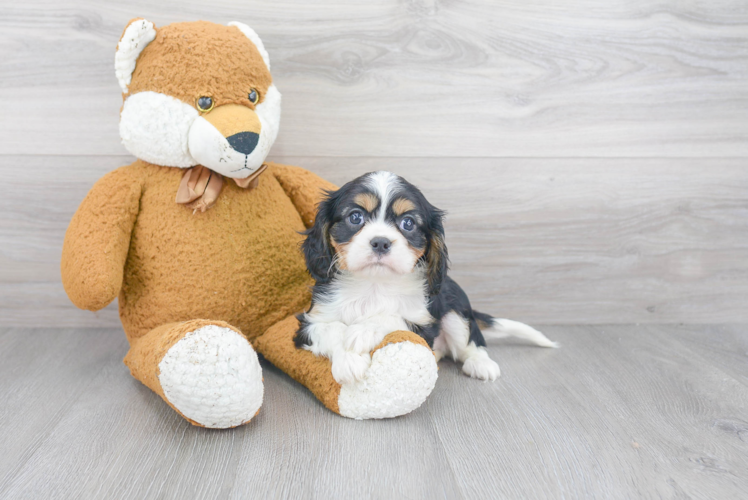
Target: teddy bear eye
{"points": [[253, 96], [204, 104]]}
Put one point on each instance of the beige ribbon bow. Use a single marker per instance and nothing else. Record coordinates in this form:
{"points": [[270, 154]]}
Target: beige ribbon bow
{"points": [[201, 186]]}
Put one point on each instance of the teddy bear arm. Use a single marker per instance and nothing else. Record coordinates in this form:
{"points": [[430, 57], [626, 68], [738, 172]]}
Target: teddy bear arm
{"points": [[97, 241], [304, 188]]}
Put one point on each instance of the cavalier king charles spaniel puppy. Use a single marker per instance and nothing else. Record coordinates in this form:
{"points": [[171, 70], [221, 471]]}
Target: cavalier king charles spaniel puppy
{"points": [[377, 253]]}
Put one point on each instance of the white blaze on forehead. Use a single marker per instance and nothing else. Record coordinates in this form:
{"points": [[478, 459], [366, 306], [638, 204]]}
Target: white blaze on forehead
{"points": [[384, 184], [136, 37]]}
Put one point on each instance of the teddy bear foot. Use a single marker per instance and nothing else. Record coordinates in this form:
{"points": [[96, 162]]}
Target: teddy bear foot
{"points": [[212, 376], [401, 376], [208, 372]]}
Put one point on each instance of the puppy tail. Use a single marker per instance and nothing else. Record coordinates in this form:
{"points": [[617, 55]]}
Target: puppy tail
{"points": [[497, 328]]}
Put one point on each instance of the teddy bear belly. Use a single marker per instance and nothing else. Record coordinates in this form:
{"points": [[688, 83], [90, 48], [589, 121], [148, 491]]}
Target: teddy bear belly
{"points": [[238, 262]]}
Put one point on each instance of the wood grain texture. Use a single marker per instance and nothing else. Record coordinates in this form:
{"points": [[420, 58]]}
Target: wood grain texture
{"points": [[415, 78], [620, 411], [555, 241], [630, 413], [43, 373]]}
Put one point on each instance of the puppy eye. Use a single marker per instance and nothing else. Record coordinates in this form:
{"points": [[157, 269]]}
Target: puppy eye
{"points": [[407, 224], [253, 96], [356, 218], [204, 104]]}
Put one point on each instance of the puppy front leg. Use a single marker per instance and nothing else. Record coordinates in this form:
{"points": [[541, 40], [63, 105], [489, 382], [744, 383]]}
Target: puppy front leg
{"points": [[363, 336], [326, 339]]}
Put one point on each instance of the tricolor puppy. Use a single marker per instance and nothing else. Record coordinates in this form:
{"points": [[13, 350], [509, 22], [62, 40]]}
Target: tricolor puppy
{"points": [[377, 253]]}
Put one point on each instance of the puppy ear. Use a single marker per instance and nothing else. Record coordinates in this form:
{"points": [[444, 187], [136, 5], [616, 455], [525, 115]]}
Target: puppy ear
{"points": [[317, 250], [437, 257]]}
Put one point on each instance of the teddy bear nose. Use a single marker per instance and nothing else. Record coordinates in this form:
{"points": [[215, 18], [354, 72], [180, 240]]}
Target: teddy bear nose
{"points": [[244, 142]]}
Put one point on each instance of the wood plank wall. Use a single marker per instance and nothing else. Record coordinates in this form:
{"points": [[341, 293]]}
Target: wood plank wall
{"points": [[593, 157]]}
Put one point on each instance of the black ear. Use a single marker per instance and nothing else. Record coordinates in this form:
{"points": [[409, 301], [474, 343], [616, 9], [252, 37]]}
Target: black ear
{"points": [[316, 247], [436, 257]]}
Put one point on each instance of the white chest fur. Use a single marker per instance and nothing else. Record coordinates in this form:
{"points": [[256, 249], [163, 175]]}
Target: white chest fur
{"points": [[352, 299]]}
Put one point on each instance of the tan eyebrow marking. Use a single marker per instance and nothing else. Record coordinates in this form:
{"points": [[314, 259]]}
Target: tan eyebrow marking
{"points": [[402, 205], [367, 201]]}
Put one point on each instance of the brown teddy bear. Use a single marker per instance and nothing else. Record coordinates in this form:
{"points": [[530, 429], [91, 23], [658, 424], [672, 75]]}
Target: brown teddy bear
{"points": [[199, 237]]}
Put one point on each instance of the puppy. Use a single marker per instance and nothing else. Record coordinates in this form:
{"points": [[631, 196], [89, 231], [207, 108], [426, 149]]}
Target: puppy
{"points": [[377, 253]]}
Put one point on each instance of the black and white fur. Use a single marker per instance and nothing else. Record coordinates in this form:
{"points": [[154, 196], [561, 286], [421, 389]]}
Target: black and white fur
{"points": [[377, 253]]}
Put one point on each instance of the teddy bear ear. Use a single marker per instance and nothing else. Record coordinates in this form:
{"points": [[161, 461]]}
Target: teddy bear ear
{"points": [[137, 35], [255, 39]]}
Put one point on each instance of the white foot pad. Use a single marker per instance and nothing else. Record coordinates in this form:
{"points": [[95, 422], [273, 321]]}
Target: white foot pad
{"points": [[480, 366], [213, 377], [399, 380]]}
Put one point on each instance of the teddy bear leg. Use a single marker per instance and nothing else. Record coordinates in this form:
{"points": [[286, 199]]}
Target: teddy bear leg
{"points": [[401, 376], [206, 370]]}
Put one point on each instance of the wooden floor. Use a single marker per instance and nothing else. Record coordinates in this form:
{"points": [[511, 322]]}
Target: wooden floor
{"points": [[617, 412]]}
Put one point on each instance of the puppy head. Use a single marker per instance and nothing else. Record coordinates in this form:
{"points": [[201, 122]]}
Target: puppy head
{"points": [[377, 225]]}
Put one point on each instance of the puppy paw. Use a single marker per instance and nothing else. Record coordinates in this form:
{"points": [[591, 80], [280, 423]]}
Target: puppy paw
{"points": [[349, 367], [362, 338], [482, 367]]}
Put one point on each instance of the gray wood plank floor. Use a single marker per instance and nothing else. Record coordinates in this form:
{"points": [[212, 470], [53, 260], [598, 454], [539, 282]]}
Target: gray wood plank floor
{"points": [[624, 411]]}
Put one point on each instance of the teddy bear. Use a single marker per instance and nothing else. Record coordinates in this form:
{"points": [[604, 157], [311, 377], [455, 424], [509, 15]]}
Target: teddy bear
{"points": [[199, 237]]}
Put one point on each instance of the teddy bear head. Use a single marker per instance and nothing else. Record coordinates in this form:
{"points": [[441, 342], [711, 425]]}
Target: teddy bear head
{"points": [[197, 93]]}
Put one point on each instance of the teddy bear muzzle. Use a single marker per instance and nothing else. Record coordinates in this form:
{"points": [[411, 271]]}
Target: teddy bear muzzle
{"points": [[226, 139]]}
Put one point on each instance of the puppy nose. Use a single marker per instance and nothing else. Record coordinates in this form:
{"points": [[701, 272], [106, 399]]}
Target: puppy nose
{"points": [[244, 142], [380, 245]]}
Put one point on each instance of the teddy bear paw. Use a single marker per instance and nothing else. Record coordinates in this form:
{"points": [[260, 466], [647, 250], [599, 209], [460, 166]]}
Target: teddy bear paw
{"points": [[399, 379], [212, 376]]}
